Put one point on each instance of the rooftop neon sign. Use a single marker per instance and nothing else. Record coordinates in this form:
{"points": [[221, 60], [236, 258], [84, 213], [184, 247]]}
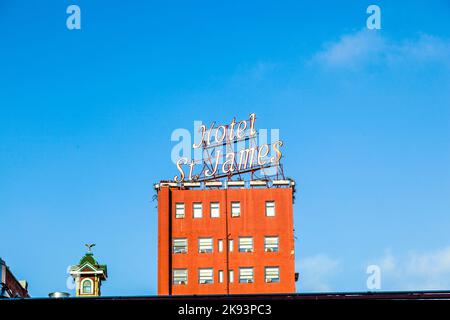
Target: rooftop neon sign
{"points": [[218, 163]]}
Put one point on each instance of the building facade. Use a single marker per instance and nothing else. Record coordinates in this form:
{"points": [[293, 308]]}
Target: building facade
{"points": [[232, 240], [10, 287]]}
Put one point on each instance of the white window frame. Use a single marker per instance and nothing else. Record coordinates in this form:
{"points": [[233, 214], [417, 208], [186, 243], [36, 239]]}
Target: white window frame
{"points": [[220, 276], [270, 245], [220, 245], [235, 209], [230, 245], [246, 275], [270, 208], [245, 244], [206, 276], [182, 279], [196, 206], [230, 276], [272, 274], [214, 209], [91, 283], [178, 240], [179, 210], [209, 246]]}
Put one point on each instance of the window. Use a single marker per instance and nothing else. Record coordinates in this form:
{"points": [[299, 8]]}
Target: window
{"points": [[246, 275], [235, 209], [270, 208], [271, 244], [231, 276], [86, 286], [245, 244], [198, 210], [180, 245], [220, 245], [230, 245], [179, 210], [215, 210], [205, 276], [179, 276], [272, 274], [205, 245], [220, 276]]}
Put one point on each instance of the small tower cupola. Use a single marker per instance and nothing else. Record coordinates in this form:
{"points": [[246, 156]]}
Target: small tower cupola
{"points": [[88, 275]]}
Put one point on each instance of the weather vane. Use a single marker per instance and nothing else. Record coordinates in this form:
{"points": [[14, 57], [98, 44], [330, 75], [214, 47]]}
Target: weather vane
{"points": [[89, 246]]}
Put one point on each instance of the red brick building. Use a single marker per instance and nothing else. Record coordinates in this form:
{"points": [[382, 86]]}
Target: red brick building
{"points": [[225, 240], [10, 287]]}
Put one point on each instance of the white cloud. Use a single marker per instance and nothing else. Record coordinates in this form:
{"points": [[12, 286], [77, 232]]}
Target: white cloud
{"points": [[425, 48], [416, 270], [351, 50], [316, 272], [368, 47]]}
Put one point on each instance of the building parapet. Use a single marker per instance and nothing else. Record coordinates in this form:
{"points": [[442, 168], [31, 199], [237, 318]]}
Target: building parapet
{"points": [[287, 183]]}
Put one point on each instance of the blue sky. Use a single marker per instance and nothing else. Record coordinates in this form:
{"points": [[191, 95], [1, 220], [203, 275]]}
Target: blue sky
{"points": [[86, 118]]}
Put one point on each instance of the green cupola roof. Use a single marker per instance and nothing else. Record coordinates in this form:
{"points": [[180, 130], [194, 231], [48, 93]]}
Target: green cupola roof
{"points": [[88, 257]]}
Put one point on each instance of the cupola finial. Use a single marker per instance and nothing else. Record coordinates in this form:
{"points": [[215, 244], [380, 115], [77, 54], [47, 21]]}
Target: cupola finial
{"points": [[89, 246]]}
